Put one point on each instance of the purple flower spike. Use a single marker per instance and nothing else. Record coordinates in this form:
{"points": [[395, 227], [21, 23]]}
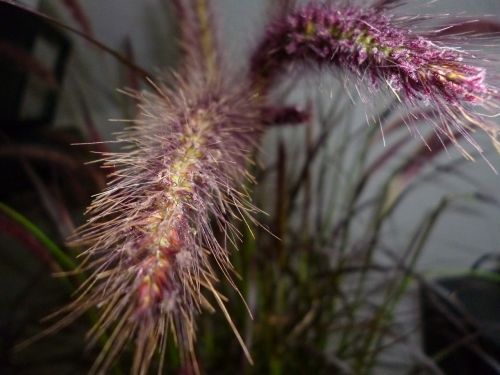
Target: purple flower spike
{"points": [[150, 235], [368, 44]]}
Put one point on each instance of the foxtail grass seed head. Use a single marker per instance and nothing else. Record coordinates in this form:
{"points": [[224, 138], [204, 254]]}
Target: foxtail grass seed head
{"points": [[378, 51], [150, 235]]}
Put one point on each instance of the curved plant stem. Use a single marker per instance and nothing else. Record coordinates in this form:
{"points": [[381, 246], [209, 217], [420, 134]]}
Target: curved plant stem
{"points": [[64, 261], [118, 56]]}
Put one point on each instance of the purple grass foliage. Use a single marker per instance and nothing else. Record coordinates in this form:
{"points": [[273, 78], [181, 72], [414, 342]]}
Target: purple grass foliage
{"points": [[382, 54]]}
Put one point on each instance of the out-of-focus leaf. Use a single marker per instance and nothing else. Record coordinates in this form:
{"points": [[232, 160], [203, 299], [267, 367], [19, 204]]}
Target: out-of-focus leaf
{"points": [[197, 39], [41, 153], [26, 63], [470, 27], [15, 230], [118, 56], [133, 78], [79, 15], [93, 132], [386, 3], [284, 116], [387, 155], [414, 118], [55, 208], [425, 153], [64, 260], [47, 154]]}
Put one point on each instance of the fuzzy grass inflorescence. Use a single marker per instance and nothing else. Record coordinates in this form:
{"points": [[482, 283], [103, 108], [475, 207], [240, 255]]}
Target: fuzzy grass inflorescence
{"points": [[381, 52], [152, 233]]}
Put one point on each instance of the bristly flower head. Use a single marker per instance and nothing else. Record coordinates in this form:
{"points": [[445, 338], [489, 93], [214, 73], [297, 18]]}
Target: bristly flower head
{"points": [[380, 51], [150, 233]]}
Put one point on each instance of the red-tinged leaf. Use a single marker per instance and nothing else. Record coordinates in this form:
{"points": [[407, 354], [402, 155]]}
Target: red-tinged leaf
{"points": [[93, 132], [179, 8], [388, 154], [55, 208], [26, 63], [282, 7], [16, 231], [381, 4], [79, 15], [207, 36], [96, 140], [392, 150], [42, 153], [187, 25], [50, 155], [281, 200], [275, 116], [64, 261], [412, 118], [425, 153], [470, 27], [197, 36], [133, 77], [182, 14]]}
